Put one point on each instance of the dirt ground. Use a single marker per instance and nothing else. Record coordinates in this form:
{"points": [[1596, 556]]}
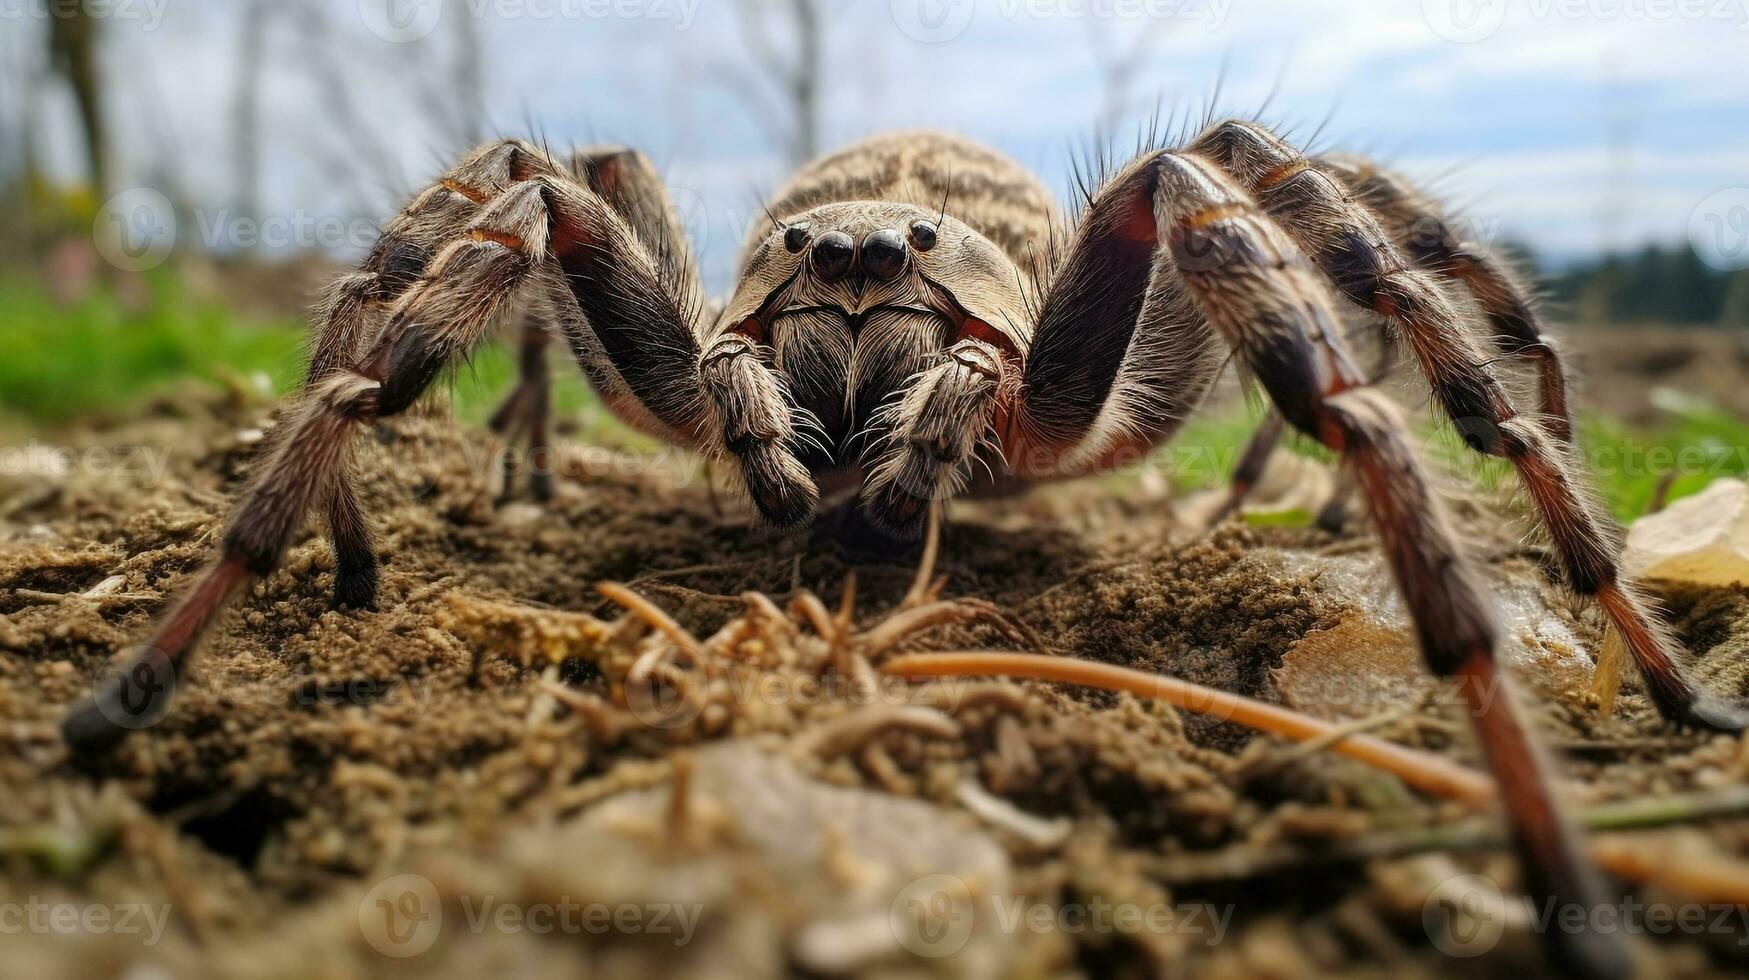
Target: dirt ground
{"points": [[408, 791]]}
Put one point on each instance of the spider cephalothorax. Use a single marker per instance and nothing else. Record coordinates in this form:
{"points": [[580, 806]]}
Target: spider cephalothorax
{"points": [[912, 318], [872, 328]]}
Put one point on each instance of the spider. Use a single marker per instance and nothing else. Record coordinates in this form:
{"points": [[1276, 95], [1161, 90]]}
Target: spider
{"points": [[911, 326]]}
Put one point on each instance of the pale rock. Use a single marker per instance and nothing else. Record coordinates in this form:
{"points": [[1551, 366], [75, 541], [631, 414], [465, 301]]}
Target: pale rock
{"points": [[1369, 662], [1703, 539], [1292, 482], [778, 871]]}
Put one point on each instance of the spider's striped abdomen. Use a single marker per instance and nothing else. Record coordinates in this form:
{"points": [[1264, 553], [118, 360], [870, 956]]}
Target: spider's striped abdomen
{"points": [[994, 195]]}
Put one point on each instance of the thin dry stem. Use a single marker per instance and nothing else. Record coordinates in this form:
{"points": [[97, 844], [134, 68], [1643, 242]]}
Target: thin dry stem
{"points": [[814, 611], [1716, 878], [920, 586], [909, 620], [1429, 773], [652, 614], [849, 732]]}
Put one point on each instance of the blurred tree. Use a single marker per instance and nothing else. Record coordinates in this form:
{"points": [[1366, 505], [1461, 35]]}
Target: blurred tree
{"points": [[1120, 62], [467, 81], [73, 42], [1657, 284], [1734, 312], [451, 93], [246, 107], [787, 41], [353, 152]]}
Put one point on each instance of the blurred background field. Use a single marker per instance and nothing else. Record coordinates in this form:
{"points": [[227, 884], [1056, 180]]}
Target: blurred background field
{"points": [[1648, 427]]}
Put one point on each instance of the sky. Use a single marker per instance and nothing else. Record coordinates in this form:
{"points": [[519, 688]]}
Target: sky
{"points": [[1576, 126]]}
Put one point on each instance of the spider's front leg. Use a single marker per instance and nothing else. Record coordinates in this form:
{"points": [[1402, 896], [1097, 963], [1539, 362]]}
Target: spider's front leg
{"points": [[629, 183], [758, 419], [1178, 217], [503, 217], [932, 434]]}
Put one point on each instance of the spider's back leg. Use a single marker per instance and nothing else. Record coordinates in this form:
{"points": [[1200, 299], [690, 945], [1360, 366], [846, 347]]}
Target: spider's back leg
{"points": [[1268, 302], [1349, 243], [1176, 227], [1420, 227]]}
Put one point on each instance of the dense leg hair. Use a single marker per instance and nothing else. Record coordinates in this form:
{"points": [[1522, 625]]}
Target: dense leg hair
{"points": [[345, 321], [451, 261], [1348, 243], [526, 412], [1119, 356], [1270, 305], [352, 314], [759, 417], [932, 434], [1333, 515], [1423, 231], [629, 183], [628, 301]]}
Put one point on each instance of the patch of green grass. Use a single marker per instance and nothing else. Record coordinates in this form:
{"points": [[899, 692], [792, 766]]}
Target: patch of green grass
{"points": [[1700, 444], [58, 362], [1697, 444], [98, 355]]}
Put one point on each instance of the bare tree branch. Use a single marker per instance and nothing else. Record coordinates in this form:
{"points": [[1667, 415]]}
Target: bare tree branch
{"points": [[787, 42], [73, 39], [1119, 65], [246, 108]]}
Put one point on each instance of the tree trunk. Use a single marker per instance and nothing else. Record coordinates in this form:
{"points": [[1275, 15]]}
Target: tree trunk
{"points": [[73, 39]]}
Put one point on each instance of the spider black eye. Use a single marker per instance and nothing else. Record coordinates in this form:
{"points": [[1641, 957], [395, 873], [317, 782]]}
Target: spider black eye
{"points": [[795, 237], [832, 254], [922, 236], [883, 254]]}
